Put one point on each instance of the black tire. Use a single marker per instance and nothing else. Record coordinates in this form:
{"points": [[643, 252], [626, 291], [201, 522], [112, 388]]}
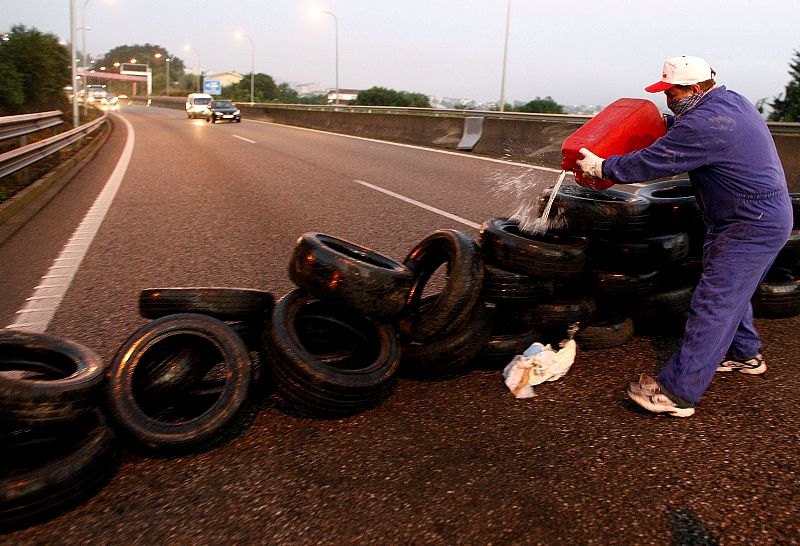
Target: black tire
{"points": [[150, 430], [48, 470], [673, 208], [345, 388], [560, 314], [451, 353], [608, 214], [642, 255], [512, 332], [778, 299], [547, 256], [352, 275], [172, 371], [333, 341], [795, 197], [508, 288], [624, 290], [69, 380], [789, 257], [234, 304], [451, 307], [604, 334]]}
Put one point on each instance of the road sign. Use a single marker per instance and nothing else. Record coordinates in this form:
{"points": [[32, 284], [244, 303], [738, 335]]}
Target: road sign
{"points": [[133, 69], [212, 86]]}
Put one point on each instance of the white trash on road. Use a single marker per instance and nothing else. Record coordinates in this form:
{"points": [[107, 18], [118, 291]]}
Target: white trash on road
{"points": [[539, 363]]}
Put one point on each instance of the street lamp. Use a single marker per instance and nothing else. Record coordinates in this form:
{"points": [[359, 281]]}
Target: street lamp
{"points": [[336, 37], [252, 61], [75, 110], [505, 56], [84, 28], [167, 60], [197, 66]]}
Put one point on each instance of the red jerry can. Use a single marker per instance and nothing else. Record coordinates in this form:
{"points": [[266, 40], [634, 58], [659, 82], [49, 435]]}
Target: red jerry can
{"points": [[625, 125]]}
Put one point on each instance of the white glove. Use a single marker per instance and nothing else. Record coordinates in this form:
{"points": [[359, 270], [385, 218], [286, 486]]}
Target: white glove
{"points": [[591, 165]]}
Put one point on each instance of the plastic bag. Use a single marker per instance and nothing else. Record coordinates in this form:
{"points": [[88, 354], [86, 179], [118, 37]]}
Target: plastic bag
{"points": [[539, 363]]}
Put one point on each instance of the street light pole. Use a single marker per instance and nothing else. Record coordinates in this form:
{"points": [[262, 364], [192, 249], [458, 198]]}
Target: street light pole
{"points": [[75, 110], [85, 71], [252, 62], [336, 37], [167, 60], [197, 66], [505, 56]]}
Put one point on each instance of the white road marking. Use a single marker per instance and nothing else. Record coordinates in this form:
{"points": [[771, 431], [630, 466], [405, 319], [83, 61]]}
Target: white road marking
{"points": [[245, 139], [36, 315], [412, 146], [420, 204]]}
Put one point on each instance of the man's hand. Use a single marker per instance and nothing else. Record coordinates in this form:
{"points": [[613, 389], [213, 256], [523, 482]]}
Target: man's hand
{"points": [[591, 165]]}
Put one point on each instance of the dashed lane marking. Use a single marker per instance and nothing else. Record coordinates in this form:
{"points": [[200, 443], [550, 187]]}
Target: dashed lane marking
{"points": [[245, 139], [40, 308], [419, 204]]}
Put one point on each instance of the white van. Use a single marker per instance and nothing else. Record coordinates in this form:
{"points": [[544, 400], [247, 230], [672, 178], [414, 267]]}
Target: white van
{"points": [[196, 104]]}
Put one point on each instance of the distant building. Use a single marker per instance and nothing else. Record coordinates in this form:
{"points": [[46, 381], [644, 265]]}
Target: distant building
{"points": [[345, 95], [227, 78], [309, 89]]}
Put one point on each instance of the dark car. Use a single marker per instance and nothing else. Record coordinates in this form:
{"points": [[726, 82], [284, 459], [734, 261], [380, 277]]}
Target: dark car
{"points": [[222, 109]]}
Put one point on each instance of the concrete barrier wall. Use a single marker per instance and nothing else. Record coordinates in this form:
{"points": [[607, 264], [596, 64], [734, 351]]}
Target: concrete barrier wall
{"points": [[529, 141]]}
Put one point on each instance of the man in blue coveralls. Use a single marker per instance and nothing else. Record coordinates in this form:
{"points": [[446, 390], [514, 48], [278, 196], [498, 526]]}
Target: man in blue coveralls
{"points": [[720, 139]]}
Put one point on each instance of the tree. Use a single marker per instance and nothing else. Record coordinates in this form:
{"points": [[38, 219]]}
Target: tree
{"points": [[381, 96], [34, 69], [146, 54], [264, 89], [542, 106], [787, 108]]}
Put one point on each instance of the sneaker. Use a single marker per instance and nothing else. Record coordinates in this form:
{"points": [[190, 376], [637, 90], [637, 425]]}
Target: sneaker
{"points": [[647, 384], [648, 394], [751, 366]]}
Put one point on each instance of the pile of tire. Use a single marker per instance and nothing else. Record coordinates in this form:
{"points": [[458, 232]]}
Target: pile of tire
{"points": [[644, 254], [358, 318], [778, 296], [55, 446], [179, 382]]}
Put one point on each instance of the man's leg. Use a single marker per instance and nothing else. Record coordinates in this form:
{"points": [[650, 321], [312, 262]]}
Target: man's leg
{"points": [[734, 264]]}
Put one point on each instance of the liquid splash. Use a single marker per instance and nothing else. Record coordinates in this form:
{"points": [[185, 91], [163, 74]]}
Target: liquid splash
{"points": [[524, 191]]}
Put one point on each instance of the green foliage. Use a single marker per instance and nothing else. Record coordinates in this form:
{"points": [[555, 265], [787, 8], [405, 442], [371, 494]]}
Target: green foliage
{"points": [[541, 106], [787, 107], [381, 96], [146, 54], [313, 99], [264, 89], [34, 69]]}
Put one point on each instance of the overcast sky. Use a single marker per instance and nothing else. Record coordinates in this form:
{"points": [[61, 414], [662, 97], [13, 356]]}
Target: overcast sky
{"points": [[576, 51]]}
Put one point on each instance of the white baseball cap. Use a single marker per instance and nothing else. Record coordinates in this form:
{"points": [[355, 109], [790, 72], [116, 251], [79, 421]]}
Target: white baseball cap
{"points": [[683, 70]]}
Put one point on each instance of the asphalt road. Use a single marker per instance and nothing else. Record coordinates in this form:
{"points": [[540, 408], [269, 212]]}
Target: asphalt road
{"points": [[456, 461]]}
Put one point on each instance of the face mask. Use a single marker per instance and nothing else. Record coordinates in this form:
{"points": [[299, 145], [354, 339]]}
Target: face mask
{"points": [[680, 106]]}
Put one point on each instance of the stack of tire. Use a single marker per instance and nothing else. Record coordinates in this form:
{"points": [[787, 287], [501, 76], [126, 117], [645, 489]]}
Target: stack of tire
{"points": [[643, 253], [55, 446], [338, 341], [645, 258], [179, 382], [778, 296], [535, 284]]}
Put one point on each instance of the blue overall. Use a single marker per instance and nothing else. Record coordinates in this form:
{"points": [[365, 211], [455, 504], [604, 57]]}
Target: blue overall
{"points": [[726, 147]]}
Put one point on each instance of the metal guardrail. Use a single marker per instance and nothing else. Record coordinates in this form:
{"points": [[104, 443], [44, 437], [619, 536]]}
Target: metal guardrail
{"points": [[19, 158], [440, 112], [775, 127], [24, 124], [784, 128]]}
